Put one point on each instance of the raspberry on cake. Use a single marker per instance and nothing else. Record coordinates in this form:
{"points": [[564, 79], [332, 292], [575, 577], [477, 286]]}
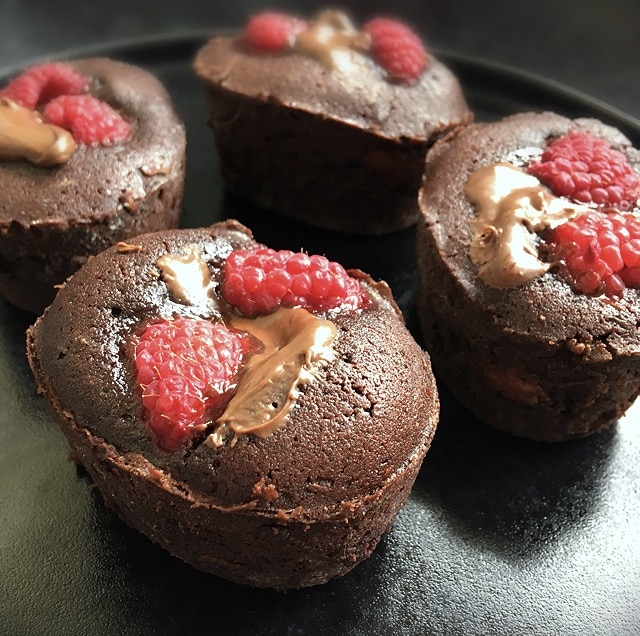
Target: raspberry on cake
{"points": [[268, 438], [90, 120], [58, 89], [397, 49], [584, 168], [272, 31], [76, 141], [529, 272], [330, 122], [259, 280], [179, 363], [40, 84], [598, 252]]}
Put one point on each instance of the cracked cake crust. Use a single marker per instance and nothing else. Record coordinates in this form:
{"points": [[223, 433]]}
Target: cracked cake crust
{"points": [[303, 505], [538, 359]]}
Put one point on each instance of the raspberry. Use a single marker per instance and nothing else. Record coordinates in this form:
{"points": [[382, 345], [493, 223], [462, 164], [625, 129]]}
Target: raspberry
{"points": [[258, 281], [42, 83], [186, 369], [600, 252], [396, 48], [89, 120], [587, 169], [272, 31]]}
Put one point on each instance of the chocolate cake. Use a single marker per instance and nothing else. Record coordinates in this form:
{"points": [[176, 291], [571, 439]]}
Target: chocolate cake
{"points": [[63, 200], [299, 462], [528, 290], [320, 127]]}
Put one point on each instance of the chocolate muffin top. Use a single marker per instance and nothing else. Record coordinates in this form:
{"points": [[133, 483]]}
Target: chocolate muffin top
{"points": [[352, 89], [353, 427], [99, 181], [545, 307]]}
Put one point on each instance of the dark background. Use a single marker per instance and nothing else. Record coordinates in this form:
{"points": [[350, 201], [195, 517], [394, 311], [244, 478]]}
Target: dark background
{"points": [[589, 45]]}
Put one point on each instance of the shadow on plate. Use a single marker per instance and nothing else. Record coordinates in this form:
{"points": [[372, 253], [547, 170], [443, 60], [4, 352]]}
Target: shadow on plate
{"points": [[16, 379], [517, 497], [168, 596]]}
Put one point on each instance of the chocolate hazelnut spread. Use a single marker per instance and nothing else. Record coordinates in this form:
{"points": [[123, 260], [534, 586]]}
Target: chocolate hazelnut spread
{"points": [[332, 38], [187, 277], [294, 343], [24, 135], [511, 206]]}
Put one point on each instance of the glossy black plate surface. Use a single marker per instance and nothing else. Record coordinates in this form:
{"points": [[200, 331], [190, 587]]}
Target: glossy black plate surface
{"points": [[500, 535]]}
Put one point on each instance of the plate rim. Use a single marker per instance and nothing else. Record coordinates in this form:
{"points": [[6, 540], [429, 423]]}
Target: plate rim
{"points": [[190, 39]]}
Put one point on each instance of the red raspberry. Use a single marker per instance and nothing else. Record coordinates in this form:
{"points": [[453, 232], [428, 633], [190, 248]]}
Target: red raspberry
{"points": [[272, 31], [396, 48], [258, 281], [89, 120], [587, 169], [186, 369], [600, 252], [42, 83]]}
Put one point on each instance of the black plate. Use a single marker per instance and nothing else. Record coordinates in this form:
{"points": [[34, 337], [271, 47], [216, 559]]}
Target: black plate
{"points": [[500, 535]]}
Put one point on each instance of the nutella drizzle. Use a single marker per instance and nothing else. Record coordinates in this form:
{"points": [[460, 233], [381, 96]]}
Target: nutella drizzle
{"points": [[24, 135], [295, 343], [330, 37], [511, 206], [187, 277]]}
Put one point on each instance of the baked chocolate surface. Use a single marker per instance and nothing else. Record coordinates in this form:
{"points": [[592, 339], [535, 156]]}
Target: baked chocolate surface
{"points": [[359, 96], [341, 148], [341, 466], [538, 360], [53, 218]]}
